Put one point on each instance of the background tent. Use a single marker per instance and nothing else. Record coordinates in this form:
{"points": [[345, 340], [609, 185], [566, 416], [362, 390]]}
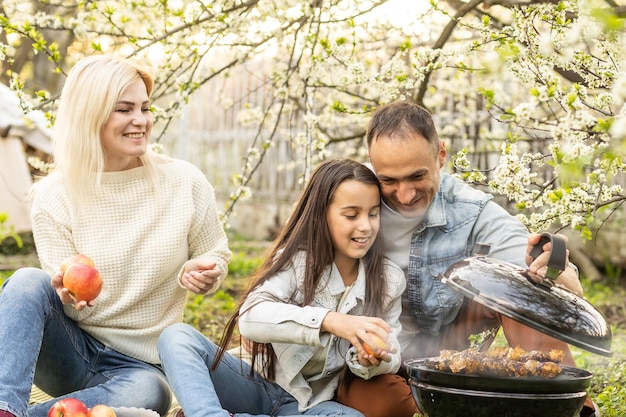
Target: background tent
{"points": [[17, 131]]}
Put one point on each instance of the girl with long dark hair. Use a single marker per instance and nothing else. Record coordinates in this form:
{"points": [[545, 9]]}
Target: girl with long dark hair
{"points": [[323, 293]]}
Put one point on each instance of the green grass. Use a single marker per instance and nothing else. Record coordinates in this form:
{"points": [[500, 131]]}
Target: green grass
{"points": [[608, 385]]}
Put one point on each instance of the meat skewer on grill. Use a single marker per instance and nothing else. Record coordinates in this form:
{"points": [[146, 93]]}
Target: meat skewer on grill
{"points": [[510, 362]]}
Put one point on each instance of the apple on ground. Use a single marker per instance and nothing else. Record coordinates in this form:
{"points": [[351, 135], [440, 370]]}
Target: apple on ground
{"points": [[380, 343], [68, 407], [82, 281], [77, 258], [101, 410]]}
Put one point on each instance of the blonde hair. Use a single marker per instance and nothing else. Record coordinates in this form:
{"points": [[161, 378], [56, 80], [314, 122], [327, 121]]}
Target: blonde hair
{"points": [[91, 91]]}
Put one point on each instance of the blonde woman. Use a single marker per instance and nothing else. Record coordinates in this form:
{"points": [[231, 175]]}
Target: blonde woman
{"points": [[148, 222]]}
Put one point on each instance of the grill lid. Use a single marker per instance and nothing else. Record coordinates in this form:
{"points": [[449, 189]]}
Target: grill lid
{"points": [[532, 300]]}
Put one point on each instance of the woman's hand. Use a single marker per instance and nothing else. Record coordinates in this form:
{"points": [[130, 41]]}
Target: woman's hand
{"points": [[200, 276], [359, 330], [64, 293], [539, 265]]}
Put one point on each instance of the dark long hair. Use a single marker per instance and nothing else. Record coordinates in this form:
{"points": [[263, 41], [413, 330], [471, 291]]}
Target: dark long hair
{"points": [[307, 230]]}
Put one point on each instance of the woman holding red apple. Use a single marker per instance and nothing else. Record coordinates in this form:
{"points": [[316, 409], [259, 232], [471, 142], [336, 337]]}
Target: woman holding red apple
{"points": [[324, 292], [151, 227]]}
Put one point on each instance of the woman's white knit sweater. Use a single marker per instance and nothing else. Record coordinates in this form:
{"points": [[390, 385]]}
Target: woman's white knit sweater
{"points": [[139, 241]]}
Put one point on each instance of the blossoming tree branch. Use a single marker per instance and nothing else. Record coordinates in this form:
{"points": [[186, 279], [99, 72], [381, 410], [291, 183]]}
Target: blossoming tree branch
{"points": [[539, 86]]}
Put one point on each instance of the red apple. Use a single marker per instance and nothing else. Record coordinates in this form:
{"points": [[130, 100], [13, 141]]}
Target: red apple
{"points": [[101, 410], [380, 343], [82, 281], [77, 258], [68, 407]]}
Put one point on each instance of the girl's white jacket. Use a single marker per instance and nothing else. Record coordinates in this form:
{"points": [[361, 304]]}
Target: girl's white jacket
{"points": [[272, 314]]}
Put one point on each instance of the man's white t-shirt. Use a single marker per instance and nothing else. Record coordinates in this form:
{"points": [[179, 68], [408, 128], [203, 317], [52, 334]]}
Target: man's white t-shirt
{"points": [[397, 232]]}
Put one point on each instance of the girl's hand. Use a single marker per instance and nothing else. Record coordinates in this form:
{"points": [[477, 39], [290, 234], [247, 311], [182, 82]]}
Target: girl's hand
{"points": [[369, 360], [360, 330], [64, 295]]}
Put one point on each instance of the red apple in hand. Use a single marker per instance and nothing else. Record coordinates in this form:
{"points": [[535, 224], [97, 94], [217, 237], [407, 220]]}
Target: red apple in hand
{"points": [[82, 281], [68, 407], [77, 258], [380, 343], [101, 410]]}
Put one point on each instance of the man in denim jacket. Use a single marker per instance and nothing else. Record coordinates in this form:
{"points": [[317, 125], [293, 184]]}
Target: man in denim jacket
{"points": [[430, 221]]}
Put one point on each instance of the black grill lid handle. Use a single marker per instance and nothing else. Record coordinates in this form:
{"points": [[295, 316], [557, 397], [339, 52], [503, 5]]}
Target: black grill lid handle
{"points": [[558, 255]]}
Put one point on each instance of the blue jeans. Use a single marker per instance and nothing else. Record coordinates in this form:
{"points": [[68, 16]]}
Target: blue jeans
{"points": [[187, 356], [41, 344]]}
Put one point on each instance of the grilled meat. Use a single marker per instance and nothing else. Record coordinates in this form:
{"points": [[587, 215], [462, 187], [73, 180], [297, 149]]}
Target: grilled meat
{"points": [[510, 362]]}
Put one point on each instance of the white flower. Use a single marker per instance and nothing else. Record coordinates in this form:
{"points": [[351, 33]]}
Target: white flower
{"points": [[618, 128]]}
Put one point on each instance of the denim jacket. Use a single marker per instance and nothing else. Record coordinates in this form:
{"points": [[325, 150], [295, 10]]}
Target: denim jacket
{"points": [[458, 217], [272, 314]]}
